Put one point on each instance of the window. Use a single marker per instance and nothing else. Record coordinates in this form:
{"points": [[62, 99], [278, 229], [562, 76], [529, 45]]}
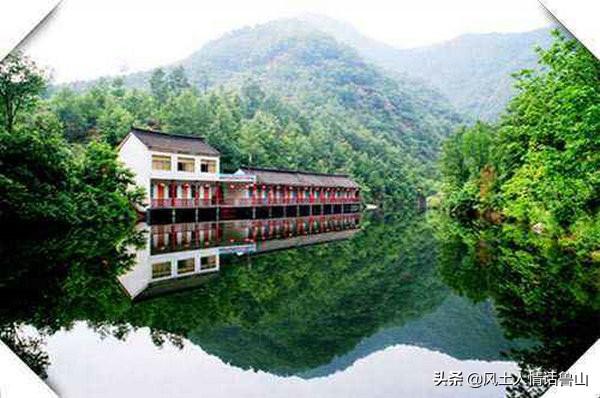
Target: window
{"points": [[161, 162], [208, 166], [160, 270], [185, 164], [185, 266], [209, 262]]}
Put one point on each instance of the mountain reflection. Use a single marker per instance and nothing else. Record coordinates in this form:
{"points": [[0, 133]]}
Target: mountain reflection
{"points": [[303, 296]]}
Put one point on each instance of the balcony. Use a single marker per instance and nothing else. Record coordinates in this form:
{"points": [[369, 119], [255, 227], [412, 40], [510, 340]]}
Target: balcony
{"points": [[285, 201], [181, 203], [241, 202]]}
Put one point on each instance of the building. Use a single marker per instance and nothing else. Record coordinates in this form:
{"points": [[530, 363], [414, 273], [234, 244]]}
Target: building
{"points": [[276, 187], [181, 172]]}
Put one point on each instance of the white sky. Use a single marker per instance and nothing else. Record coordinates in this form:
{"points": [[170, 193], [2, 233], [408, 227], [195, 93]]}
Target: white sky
{"points": [[89, 38]]}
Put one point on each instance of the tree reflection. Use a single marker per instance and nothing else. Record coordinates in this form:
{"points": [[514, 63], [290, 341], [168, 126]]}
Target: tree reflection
{"points": [[285, 312], [50, 279], [282, 312], [542, 292], [291, 311]]}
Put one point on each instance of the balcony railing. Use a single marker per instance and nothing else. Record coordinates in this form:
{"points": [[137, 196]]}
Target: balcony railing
{"points": [[285, 201], [181, 203], [193, 203], [237, 178]]}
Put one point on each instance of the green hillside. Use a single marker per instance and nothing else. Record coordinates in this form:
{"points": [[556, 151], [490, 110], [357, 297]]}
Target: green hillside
{"points": [[314, 72], [473, 70], [282, 94]]}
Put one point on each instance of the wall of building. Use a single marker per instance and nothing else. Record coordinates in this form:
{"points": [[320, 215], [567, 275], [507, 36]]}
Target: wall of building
{"points": [[134, 154], [174, 174]]}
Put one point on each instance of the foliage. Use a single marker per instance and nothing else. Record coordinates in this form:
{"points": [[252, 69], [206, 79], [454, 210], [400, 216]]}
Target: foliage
{"points": [[473, 70], [28, 348], [467, 167], [44, 179], [283, 97], [21, 82], [521, 208], [539, 167]]}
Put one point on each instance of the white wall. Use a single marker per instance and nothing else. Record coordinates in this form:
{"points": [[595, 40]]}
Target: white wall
{"points": [[137, 279], [138, 158], [173, 174], [134, 154]]}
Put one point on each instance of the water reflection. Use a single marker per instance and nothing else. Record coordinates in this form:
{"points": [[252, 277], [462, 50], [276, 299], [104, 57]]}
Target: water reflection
{"points": [[185, 255], [541, 291], [306, 297]]}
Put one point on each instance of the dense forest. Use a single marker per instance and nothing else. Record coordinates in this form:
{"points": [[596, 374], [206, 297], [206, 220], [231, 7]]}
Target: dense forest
{"points": [[43, 178], [280, 95], [473, 71], [521, 217], [284, 94]]}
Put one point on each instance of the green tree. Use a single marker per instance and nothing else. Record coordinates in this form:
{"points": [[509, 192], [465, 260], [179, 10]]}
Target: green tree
{"points": [[256, 136], [158, 85], [177, 81], [113, 123], [529, 226], [21, 83]]}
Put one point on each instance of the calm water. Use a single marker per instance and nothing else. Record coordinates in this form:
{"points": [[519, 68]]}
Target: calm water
{"points": [[334, 306]]}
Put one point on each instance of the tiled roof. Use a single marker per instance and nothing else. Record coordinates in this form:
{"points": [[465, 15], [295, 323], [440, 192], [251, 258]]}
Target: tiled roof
{"points": [[298, 178], [159, 141]]}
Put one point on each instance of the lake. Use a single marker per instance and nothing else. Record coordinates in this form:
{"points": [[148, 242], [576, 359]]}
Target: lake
{"points": [[345, 305]]}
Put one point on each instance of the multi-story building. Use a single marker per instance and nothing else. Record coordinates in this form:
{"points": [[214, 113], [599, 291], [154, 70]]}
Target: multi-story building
{"points": [[176, 171], [183, 172]]}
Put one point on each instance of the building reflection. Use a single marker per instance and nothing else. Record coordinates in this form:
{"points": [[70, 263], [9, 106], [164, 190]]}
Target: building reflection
{"points": [[186, 255]]}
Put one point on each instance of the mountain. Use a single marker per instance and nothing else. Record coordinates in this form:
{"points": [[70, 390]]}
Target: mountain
{"points": [[313, 93], [318, 74], [284, 94], [473, 70]]}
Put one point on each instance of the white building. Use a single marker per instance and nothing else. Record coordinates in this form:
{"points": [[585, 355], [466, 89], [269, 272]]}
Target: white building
{"points": [[183, 172], [175, 170]]}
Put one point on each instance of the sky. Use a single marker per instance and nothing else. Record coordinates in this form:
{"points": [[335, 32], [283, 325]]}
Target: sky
{"points": [[86, 39]]}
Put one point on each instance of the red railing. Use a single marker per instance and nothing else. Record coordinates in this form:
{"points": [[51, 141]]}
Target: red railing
{"points": [[161, 203], [193, 203], [284, 201], [180, 203]]}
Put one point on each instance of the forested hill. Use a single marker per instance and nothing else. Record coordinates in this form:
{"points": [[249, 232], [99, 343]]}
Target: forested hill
{"points": [[473, 71], [324, 78], [283, 94]]}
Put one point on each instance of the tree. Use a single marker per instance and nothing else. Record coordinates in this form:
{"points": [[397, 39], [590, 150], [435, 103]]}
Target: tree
{"points": [[256, 136], [538, 169], [113, 123], [252, 97], [158, 85], [177, 81], [21, 83], [183, 114]]}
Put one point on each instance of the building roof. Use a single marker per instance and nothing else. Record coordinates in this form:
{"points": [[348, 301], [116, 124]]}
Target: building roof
{"points": [[176, 143], [298, 178]]}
